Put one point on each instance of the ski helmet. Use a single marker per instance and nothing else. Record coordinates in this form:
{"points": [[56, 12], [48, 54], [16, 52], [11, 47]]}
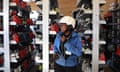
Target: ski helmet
{"points": [[68, 20]]}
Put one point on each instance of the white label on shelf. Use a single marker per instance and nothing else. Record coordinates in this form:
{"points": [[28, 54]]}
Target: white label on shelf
{"points": [[37, 40], [102, 42], [12, 4], [26, 0], [101, 62], [52, 12], [102, 22], [13, 42], [53, 32], [38, 22], [88, 11], [12, 23], [51, 52], [88, 32]]}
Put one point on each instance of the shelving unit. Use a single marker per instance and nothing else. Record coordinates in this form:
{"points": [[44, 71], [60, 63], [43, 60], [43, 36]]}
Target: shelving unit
{"points": [[37, 41], [5, 51], [20, 50], [112, 33], [94, 15]]}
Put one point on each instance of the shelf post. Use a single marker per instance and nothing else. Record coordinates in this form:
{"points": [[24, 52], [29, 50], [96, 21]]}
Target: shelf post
{"points": [[45, 36], [95, 21], [6, 35]]}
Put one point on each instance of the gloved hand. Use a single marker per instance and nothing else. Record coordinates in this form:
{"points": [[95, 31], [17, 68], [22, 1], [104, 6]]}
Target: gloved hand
{"points": [[55, 56]]}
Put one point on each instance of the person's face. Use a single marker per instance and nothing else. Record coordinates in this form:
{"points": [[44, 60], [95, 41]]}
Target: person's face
{"points": [[63, 27]]}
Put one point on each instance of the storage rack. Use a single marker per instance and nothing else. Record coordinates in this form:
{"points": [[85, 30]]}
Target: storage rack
{"points": [[112, 34], [42, 25], [5, 49], [94, 14]]}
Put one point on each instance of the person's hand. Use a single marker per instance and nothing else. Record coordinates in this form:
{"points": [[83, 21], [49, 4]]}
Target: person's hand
{"points": [[63, 38], [55, 56]]}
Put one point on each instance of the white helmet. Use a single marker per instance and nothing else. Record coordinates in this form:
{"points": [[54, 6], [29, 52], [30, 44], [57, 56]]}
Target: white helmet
{"points": [[68, 20]]}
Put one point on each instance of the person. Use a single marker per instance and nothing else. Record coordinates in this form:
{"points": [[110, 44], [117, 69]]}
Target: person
{"points": [[67, 46]]}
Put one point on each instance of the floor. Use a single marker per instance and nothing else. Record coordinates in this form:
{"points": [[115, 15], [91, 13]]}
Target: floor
{"points": [[104, 68]]}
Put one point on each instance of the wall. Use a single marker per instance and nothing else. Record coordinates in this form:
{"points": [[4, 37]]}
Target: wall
{"points": [[106, 7], [67, 6]]}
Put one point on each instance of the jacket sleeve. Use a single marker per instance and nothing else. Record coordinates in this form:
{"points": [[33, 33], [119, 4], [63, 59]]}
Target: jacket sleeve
{"points": [[55, 49], [75, 48]]}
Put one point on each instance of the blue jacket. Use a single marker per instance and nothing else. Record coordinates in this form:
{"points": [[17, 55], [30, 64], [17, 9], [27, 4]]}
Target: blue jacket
{"points": [[73, 45]]}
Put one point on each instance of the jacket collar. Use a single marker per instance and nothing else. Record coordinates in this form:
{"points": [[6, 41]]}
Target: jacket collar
{"points": [[74, 34]]}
